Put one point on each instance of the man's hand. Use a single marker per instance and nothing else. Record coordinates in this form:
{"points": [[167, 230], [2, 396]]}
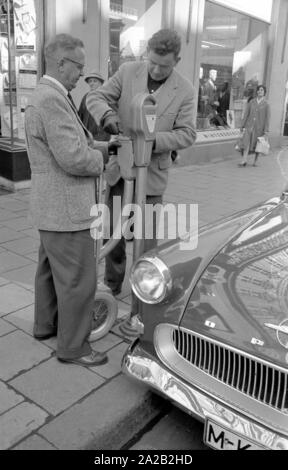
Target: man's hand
{"points": [[113, 146], [111, 124]]}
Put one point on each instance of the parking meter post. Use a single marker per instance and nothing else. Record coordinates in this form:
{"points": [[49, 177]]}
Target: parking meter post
{"points": [[140, 201], [142, 130]]}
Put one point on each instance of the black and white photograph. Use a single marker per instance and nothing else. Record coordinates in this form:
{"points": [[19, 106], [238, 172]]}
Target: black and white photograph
{"points": [[143, 230]]}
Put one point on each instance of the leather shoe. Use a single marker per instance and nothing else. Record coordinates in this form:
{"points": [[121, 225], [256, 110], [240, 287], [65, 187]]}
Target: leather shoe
{"points": [[47, 336], [243, 164], [94, 359]]}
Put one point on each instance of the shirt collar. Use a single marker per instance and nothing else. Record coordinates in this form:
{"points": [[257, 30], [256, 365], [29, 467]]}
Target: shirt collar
{"points": [[52, 79]]}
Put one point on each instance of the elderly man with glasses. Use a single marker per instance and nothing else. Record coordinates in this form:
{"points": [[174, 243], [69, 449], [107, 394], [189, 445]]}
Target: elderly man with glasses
{"points": [[64, 162]]}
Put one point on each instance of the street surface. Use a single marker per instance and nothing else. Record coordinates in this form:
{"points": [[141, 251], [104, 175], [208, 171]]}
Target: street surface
{"points": [[48, 405], [175, 431]]}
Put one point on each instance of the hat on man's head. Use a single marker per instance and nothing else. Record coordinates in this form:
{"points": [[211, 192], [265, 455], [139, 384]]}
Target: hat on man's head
{"points": [[94, 75]]}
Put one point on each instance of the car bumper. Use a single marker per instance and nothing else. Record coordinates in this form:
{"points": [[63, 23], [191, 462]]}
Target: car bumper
{"points": [[138, 364]]}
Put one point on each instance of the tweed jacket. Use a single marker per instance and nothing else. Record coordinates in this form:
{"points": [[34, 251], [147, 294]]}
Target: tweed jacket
{"points": [[176, 114], [256, 121], [64, 161]]}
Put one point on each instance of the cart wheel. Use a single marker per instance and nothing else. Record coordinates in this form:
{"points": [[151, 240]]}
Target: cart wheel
{"points": [[104, 316]]}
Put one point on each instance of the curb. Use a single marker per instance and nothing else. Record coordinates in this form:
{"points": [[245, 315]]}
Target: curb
{"points": [[88, 425]]}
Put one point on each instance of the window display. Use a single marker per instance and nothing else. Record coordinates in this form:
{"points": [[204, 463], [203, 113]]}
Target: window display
{"points": [[132, 23], [20, 36], [233, 52]]}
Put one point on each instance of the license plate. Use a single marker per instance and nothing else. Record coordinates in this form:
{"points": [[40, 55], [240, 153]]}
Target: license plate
{"points": [[220, 438]]}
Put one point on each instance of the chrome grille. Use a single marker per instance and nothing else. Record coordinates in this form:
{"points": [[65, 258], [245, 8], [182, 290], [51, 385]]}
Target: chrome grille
{"points": [[261, 381]]}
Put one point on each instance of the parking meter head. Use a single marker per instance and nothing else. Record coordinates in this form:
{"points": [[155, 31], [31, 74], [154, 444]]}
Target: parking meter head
{"points": [[143, 127]]}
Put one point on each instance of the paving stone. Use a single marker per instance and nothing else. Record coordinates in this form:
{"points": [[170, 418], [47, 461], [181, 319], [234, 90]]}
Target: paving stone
{"points": [[22, 246], [9, 261], [123, 310], [104, 419], [10, 204], [33, 256], [23, 319], [5, 327], [127, 300], [19, 423], [55, 386], [8, 398], [8, 215], [106, 343], [19, 223], [20, 352], [14, 297], [51, 343], [113, 367], [24, 277], [3, 281], [31, 233], [34, 442], [21, 213], [6, 235]]}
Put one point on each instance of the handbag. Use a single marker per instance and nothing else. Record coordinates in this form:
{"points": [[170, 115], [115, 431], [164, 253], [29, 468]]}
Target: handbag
{"points": [[262, 146], [239, 144]]}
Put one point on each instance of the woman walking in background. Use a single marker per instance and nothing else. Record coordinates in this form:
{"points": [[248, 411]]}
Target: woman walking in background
{"points": [[255, 124]]}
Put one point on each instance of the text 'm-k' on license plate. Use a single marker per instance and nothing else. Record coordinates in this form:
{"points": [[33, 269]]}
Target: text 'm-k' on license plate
{"points": [[220, 438]]}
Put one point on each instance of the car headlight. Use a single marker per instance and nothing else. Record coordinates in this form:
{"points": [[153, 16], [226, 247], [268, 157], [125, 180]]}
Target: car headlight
{"points": [[150, 280]]}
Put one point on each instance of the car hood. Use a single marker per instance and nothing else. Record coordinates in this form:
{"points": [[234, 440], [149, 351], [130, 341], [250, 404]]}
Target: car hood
{"points": [[241, 297]]}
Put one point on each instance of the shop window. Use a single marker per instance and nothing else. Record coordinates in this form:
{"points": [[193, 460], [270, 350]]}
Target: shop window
{"points": [[233, 54], [131, 23], [20, 61]]}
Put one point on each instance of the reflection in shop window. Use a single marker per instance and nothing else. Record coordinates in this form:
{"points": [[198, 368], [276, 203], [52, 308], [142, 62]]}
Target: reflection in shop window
{"points": [[233, 52], [132, 23]]}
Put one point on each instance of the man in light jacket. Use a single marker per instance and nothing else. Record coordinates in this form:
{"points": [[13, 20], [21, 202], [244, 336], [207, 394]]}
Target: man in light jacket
{"points": [[64, 163], [175, 124]]}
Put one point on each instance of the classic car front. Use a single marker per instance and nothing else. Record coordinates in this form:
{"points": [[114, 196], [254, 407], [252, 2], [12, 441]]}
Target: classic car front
{"points": [[215, 328]]}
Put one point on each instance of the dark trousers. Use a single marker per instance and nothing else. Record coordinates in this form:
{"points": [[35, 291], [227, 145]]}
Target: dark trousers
{"points": [[115, 261], [65, 286]]}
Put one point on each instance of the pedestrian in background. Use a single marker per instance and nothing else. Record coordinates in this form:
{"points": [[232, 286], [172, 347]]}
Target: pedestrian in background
{"points": [[255, 124], [175, 124], [94, 80], [64, 163]]}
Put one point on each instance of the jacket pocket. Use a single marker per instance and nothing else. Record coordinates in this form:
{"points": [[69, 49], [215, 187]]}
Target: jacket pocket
{"points": [[164, 162], [80, 193], [166, 121]]}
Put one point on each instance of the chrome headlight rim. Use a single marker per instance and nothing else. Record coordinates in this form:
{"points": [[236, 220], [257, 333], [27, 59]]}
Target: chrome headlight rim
{"points": [[164, 272]]}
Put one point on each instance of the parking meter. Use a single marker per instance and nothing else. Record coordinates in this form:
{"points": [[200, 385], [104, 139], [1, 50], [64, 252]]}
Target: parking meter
{"points": [[134, 157], [142, 131], [142, 127]]}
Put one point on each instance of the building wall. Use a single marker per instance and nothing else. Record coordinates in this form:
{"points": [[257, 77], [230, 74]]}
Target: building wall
{"points": [[277, 67], [67, 16]]}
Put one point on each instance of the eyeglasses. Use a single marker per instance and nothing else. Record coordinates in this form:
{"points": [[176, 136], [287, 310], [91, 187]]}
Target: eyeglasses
{"points": [[79, 65]]}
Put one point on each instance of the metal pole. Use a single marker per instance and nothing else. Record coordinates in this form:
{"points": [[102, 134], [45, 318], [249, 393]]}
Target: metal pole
{"points": [[140, 201], [10, 71], [132, 325]]}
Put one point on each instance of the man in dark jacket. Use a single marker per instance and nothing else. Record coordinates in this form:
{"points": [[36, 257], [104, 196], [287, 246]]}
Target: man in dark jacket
{"points": [[94, 80]]}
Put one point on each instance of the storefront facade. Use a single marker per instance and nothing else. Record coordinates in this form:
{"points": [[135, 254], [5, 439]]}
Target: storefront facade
{"points": [[21, 61], [228, 48]]}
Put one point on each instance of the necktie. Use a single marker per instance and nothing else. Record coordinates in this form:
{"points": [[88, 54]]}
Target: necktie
{"points": [[71, 99], [76, 112]]}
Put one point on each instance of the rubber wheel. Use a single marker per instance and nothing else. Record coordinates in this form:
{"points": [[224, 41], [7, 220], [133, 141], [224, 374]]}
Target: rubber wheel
{"points": [[105, 315]]}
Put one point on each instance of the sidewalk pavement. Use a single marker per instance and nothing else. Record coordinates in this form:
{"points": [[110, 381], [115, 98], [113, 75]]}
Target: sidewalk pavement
{"points": [[45, 404]]}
